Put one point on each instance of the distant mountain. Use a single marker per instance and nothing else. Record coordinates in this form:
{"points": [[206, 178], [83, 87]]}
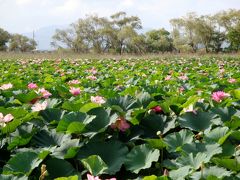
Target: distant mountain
{"points": [[43, 36]]}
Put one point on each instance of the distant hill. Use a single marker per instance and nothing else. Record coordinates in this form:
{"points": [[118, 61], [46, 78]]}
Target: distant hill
{"points": [[43, 36]]}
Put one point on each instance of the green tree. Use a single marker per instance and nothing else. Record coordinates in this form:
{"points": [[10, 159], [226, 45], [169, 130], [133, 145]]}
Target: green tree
{"points": [[21, 43], [234, 37], [159, 41], [124, 29], [4, 38], [184, 30]]}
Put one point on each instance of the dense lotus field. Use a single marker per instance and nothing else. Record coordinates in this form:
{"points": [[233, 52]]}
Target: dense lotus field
{"points": [[152, 119]]}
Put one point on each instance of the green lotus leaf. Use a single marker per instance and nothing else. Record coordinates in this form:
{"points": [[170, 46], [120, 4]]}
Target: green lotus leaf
{"points": [[196, 122], [59, 168], [22, 163], [113, 153], [176, 140], [141, 157], [95, 165]]}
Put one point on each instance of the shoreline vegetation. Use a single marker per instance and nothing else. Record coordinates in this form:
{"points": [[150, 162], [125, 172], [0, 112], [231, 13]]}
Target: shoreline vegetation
{"points": [[73, 55]]}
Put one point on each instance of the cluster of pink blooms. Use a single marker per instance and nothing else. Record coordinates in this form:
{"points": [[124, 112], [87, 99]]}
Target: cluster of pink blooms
{"points": [[5, 119], [91, 77], [39, 106], [73, 82], [98, 99], [232, 80], [90, 177], [218, 96], [43, 92], [6, 86], [75, 91], [120, 124]]}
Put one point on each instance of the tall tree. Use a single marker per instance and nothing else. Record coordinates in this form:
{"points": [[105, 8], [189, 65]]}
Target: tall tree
{"points": [[21, 43], [4, 38], [159, 41], [185, 27]]}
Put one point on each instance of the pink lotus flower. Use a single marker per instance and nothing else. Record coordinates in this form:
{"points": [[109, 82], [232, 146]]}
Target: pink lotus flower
{"points": [[39, 106], [32, 86], [98, 99], [157, 109], [183, 77], [75, 91], [120, 124], [90, 177], [93, 70], [74, 81], [168, 77], [219, 96], [6, 86], [92, 77], [232, 80], [45, 93], [181, 89], [5, 119]]}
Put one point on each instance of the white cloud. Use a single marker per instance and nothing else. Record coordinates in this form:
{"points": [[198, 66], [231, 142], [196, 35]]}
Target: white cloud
{"points": [[69, 6], [20, 15], [23, 2], [127, 3]]}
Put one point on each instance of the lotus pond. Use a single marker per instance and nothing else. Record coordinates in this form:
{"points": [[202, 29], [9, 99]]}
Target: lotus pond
{"points": [[151, 119]]}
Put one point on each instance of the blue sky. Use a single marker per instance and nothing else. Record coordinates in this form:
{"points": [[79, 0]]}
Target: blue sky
{"points": [[19, 16]]}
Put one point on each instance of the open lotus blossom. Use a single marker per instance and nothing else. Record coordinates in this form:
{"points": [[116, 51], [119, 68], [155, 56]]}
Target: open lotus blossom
{"points": [[5, 119], [120, 124], [39, 106], [75, 91], [98, 99], [32, 86], [232, 80], [45, 93], [157, 109], [168, 77], [74, 81], [90, 177], [92, 77], [6, 86], [218, 96]]}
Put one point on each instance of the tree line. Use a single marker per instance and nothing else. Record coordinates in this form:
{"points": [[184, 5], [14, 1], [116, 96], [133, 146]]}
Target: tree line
{"points": [[16, 42], [121, 33]]}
